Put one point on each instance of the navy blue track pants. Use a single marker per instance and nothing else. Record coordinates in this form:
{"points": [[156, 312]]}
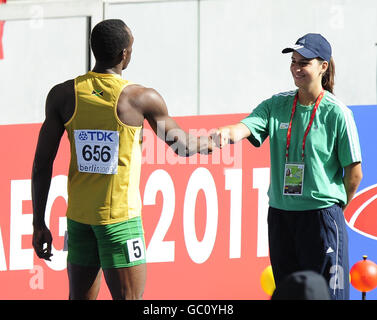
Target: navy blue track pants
{"points": [[310, 240]]}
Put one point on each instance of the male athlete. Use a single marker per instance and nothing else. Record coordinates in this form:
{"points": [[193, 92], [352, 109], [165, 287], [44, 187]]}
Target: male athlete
{"points": [[103, 116]]}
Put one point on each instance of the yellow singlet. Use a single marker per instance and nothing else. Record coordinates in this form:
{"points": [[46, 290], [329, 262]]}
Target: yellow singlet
{"points": [[104, 172]]}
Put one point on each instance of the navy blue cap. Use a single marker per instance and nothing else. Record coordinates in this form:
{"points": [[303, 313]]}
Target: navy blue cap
{"points": [[312, 45]]}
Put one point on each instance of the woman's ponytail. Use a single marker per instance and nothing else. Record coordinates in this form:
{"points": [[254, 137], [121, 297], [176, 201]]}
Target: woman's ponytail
{"points": [[328, 79]]}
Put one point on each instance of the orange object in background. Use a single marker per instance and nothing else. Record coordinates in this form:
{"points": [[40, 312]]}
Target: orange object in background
{"points": [[364, 275]]}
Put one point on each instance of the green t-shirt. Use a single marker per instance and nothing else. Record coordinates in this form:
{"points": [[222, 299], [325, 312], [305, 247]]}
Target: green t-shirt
{"points": [[331, 145]]}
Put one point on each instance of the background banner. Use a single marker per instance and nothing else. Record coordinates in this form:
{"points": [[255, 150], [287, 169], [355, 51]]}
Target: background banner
{"points": [[205, 217]]}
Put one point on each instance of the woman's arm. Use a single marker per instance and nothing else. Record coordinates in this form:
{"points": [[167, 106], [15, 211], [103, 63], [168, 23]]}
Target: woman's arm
{"points": [[352, 177], [230, 134]]}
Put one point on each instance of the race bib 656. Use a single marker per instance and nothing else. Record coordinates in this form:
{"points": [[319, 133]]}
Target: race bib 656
{"points": [[97, 151]]}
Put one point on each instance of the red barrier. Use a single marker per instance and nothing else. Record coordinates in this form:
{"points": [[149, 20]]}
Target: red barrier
{"points": [[204, 218]]}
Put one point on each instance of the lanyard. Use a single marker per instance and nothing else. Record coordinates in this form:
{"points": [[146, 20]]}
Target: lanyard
{"points": [[309, 125]]}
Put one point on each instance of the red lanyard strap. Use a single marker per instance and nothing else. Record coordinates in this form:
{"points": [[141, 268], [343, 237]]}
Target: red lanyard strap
{"points": [[307, 129]]}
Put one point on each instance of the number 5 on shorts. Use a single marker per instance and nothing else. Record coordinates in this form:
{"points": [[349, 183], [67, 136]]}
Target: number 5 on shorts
{"points": [[135, 249]]}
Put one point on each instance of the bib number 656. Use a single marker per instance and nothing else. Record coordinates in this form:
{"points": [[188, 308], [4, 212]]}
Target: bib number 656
{"points": [[96, 153]]}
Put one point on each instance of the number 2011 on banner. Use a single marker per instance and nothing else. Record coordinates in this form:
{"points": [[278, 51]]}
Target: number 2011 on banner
{"points": [[160, 250]]}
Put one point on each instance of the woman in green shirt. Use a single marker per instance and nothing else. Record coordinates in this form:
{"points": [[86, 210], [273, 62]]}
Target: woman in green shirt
{"points": [[315, 167]]}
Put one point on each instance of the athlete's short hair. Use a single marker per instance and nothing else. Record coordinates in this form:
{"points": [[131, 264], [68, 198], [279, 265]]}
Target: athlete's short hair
{"points": [[108, 39]]}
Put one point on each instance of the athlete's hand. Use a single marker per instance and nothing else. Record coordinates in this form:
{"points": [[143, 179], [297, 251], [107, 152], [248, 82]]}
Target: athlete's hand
{"points": [[42, 240], [221, 137], [206, 144]]}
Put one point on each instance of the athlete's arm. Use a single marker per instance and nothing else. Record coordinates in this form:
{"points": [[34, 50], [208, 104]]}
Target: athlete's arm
{"points": [[230, 134], [155, 111], [351, 179], [48, 143]]}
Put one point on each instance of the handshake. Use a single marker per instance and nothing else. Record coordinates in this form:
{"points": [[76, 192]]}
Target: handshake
{"points": [[221, 137], [188, 143], [227, 135]]}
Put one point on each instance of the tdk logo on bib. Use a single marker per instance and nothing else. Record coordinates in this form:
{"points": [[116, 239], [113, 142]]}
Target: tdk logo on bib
{"points": [[102, 135], [83, 136], [97, 151]]}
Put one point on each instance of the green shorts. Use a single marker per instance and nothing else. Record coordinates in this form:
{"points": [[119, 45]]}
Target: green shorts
{"points": [[116, 245]]}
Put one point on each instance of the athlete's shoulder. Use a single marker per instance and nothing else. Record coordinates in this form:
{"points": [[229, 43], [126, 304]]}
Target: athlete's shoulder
{"points": [[141, 95], [61, 99], [135, 90], [62, 87], [142, 99], [60, 92]]}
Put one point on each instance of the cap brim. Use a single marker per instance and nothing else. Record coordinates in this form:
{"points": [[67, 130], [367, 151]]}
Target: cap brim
{"points": [[287, 50], [303, 51]]}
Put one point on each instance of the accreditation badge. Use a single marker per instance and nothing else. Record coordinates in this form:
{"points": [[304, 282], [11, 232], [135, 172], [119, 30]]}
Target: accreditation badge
{"points": [[293, 179]]}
